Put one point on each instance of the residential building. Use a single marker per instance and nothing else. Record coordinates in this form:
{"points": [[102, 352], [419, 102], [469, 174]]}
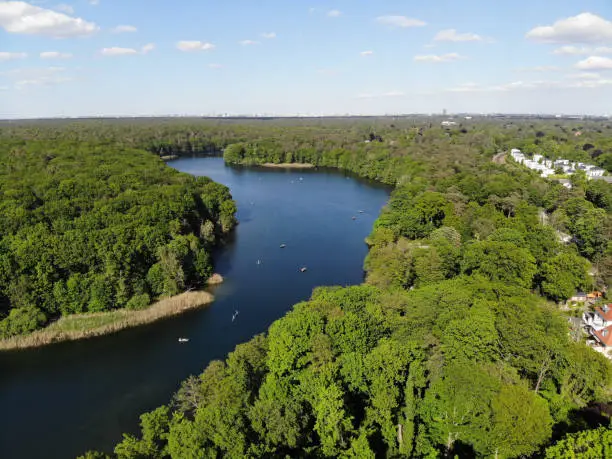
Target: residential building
{"points": [[603, 336], [580, 297], [595, 172]]}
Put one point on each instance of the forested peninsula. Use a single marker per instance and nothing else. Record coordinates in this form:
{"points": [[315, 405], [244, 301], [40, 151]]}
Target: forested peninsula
{"points": [[89, 227], [462, 340]]}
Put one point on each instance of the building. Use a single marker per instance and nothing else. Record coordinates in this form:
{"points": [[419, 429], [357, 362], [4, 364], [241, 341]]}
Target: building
{"points": [[594, 296], [581, 297], [599, 324], [603, 336], [566, 183], [547, 167], [595, 172], [601, 318]]}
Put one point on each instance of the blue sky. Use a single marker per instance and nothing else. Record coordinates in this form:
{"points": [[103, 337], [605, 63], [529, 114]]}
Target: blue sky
{"points": [[285, 57]]}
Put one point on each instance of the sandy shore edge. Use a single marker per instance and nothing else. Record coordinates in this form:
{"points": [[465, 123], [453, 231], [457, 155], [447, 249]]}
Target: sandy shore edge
{"points": [[289, 165], [82, 326]]}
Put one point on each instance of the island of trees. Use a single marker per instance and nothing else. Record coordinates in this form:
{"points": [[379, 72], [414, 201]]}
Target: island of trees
{"points": [[455, 346]]}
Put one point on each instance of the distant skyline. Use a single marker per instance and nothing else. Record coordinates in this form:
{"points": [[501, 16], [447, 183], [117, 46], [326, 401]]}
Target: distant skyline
{"points": [[277, 57]]}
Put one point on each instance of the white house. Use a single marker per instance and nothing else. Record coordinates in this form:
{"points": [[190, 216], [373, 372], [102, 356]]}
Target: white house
{"points": [[601, 318], [547, 167], [595, 172]]}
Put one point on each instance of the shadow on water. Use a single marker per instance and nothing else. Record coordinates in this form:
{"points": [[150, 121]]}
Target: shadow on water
{"points": [[62, 400]]}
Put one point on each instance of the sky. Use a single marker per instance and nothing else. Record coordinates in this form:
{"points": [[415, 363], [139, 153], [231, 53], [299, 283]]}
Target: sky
{"points": [[70, 58]]}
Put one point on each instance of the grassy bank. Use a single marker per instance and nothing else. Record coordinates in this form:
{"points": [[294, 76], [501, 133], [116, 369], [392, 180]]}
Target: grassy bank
{"points": [[81, 326], [288, 165]]}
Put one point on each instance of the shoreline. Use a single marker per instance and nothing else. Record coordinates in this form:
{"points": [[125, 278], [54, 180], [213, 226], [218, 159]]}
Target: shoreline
{"points": [[288, 165], [83, 326]]}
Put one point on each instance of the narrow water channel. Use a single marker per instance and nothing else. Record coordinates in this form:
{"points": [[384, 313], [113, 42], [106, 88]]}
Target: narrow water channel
{"points": [[59, 401]]}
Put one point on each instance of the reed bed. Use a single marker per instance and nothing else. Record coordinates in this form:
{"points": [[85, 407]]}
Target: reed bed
{"points": [[289, 165], [82, 326]]}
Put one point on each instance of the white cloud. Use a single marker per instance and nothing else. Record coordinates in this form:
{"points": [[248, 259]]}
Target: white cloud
{"points": [[366, 53], [575, 50], [268, 35], [438, 58], [584, 76], [334, 13], [595, 63], [23, 18], [64, 8], [539, 68], [194, 46], [215, 66], [452, 36], [116, 51], [571, 50], [38, 76], [94, 2], [400, 21], [248, 42], [583, 28], [6, 56], [466, 87], [55, 55], [589, 82], [124, 29], [369, 95]]}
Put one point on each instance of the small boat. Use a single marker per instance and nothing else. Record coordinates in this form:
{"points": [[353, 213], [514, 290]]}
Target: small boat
{"points": [[235, 315], [183, 340], [303, 269], [301, 179], [258, 262], [282, 246], [361, 211], [354, 218]]}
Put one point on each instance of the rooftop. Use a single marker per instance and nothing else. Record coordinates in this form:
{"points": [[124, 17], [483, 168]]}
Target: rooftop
{"points": [[604, 312], [604, 336]]}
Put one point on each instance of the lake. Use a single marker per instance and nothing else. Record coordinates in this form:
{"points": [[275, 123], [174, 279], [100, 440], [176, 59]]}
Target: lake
{"points": [[61, 400]]}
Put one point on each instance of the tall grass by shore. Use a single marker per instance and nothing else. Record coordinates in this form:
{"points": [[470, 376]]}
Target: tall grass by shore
{"points": [[288, 165], [81, 326]]}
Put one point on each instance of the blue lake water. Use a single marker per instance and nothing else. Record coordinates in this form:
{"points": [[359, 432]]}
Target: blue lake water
{"points": [[61, 400]]}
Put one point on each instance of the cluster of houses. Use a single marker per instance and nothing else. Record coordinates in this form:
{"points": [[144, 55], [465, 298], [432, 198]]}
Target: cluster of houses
{"points": [[599, 326], [547, 167]]}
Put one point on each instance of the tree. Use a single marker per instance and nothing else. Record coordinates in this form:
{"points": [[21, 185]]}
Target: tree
{"points": [[563, 275], [589, 444], [521, 422], [499, 261], [457, 407], [20, 321]]}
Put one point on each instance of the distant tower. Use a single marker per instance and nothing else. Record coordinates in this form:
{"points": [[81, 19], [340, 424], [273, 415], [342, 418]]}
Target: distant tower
{"points": [[444, 112]]}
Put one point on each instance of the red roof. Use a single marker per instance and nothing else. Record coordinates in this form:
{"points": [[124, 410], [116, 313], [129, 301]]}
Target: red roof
{"points": [[604, 335], [605, 314]]}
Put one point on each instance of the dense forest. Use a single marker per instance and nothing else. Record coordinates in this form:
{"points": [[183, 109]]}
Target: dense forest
{"points": [[455, 346], [87, 227]]}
